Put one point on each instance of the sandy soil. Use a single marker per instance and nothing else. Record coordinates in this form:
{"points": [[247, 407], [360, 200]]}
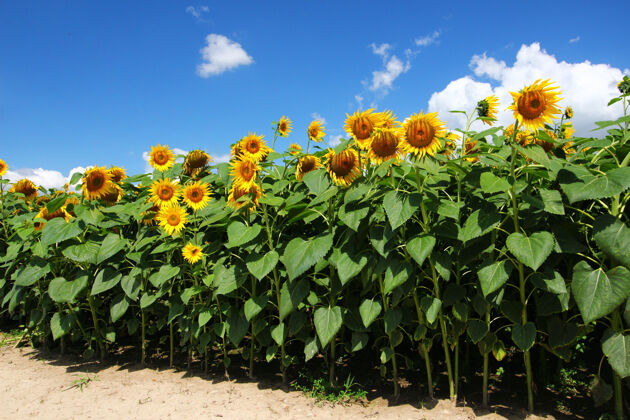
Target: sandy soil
{"points": [[35, 386]]}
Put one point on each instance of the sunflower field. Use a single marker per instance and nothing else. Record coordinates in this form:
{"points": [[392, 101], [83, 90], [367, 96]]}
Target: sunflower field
{"points": [[405, 245]]}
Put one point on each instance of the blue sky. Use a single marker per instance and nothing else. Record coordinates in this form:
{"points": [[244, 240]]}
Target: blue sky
{"points": [[98, 83]]}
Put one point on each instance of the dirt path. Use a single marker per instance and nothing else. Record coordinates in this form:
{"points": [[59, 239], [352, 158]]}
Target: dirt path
{"points": [[32, 386]]}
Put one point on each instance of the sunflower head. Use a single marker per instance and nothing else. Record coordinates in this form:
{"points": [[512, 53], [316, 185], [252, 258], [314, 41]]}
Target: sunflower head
{"points": [[150, 216], [305, 165], [26, 187], [113, 195], [236, 150], [568, 113], [195, 162], [450, 144], [3, 167], [384, 145], [161, 157], [388, 119], [471, 148], [172, 218], [164, 192], [284, 126], [96, 183], [487, 109], [192, 253], [344, 167], [238, 191], [295, 149], [253, 147], [117, 174], [624, 85], [536, 104], [316, 131], [244, 171], [567, 131], [542, 142], [421, 134], [522, 137], [361, 125], [197, 195]]}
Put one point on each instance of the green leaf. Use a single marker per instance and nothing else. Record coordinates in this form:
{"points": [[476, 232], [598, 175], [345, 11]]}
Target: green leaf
{"points": [[349, 263], [311, 347], [579, 184], [420, 248], [278, 333], [477, 330], [552, 201], [261, 265], [479, 223], [56, 203], [381, 239], [147, 300], [189, 292], [352, 214], [327, 323], [598, 293], [61, 325], [204, 316], [431, 307], [62, 291], [237, 326], [110, 246], [550, 281], [131, 284], [300, 255], [386, 354], [358, 341], [58, 230], [119, 306], [369, 311], [524, 336], [82, 253], [616, 347], [490, 183], [316, 181], [165, 273], [392, 319], [240, 234], [561, 333], [174, 311], [105, 280], [396, 274], [399, 208], [227, 280], [493, 275], [36, 269], [613, 237], [254, 305], [291, 294], [90, 216], [531, 250], [600, 391]]}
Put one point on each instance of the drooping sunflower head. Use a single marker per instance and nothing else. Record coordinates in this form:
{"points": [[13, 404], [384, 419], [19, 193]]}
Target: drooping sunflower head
{"points": [[421, 134], [295, 149], [244, 171], [195, 162], [253, 148], [196, 195], [540, 138], [26, 187], [117, 174], [150, 216], [305, 165], [113, 195], [388, 119], [164, 192], [238, 191], [361, 125], [450, 144], [192, 253], [3, 167], [236, 150], [284, 126], [624, 85], [488, 108], [568, 113], [344, 167], [385, 145], [172, 218], [316, 131], [536, 104], [96, 183], [161, 157]]}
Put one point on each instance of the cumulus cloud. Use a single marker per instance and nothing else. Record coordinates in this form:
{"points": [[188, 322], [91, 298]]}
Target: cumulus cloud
{"points": [[574, 40], [176, 151], [380, 49], [335, 140], [585, 86], [221, 54], [222, 158], [393, 67], [42, 177], [318, 117], [428, 40], [197, 12]]}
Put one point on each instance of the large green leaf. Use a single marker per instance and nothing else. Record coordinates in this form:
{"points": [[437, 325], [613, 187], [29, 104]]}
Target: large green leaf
{"points": [[399, 208], [278, 333], [550, 281], [131, 284], [261, 264], [493, 275], [352, 214], [316, 181], [349, 263], [61, 325], [431, 307], [392, 319], [58, 230], [479, 223], [613, 237], [300, 255], [227, 280], [369, 311], [28, 275], [236, 326], [105, 280], [420, 248], [82, 253], [240, 234], [490, 183], [119, 306], [531, 250], [616, 347], [291, 294], [596, 292], [579, 184], [254, 305], [552, 201], [524, 336], [62, 291], [397, 273], [110, 246], [381, 239], [327, 321], [165, 273], [477, 330]]}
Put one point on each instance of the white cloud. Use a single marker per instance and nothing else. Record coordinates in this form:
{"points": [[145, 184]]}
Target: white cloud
{"points": [[381, 50], [586, 87], [359, 100], [574, 40], [176, 151], [221, 54], [318, 117], [42, 177], [428, 40], [382, 80], [335, 140], [197, 11], [222, 158]]}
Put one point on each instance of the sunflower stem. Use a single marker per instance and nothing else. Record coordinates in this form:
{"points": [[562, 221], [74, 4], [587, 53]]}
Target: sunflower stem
{"points": [[423, 347]]}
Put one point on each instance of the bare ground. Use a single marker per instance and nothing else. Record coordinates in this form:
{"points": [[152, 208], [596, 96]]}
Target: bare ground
{"points": [[35, 385]]}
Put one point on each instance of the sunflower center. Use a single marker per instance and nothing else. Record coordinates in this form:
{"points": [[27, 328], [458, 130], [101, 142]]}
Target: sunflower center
{"points": [[343, 163], [161, 158], [173, 219], [166, 193], [308, 165], [253, 147], [96, 182], [195, 196], [194, 252], [283, 126], [420, 134], [531, 105], [362, 128], [385, 144]]}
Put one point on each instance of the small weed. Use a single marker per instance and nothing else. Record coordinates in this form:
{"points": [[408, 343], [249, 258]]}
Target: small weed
{"points": [[84, 380], [320, 389], [10, 337]]}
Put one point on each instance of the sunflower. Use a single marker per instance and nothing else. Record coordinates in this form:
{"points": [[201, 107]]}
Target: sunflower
{"points": [[388, 119], [3, 167], [164, 192], [295, 149], [470, 148], [450, 144], [96, 182], [253, 147], [536, 104], [624, 85], [192, 253], [361, 125], [488, 108], [197, 195], [236, 150], [344, 167], [305, 165], [161, 157], [150, 216], [421, 132], [568, 113], [284, 126], [568, 131], [384, 145], [117, 174], [26, 187], [316, 131], [238, 191], [113, 195], [244, 172], [195, 162], [523, 138], [172, 218], [547, 145]]}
